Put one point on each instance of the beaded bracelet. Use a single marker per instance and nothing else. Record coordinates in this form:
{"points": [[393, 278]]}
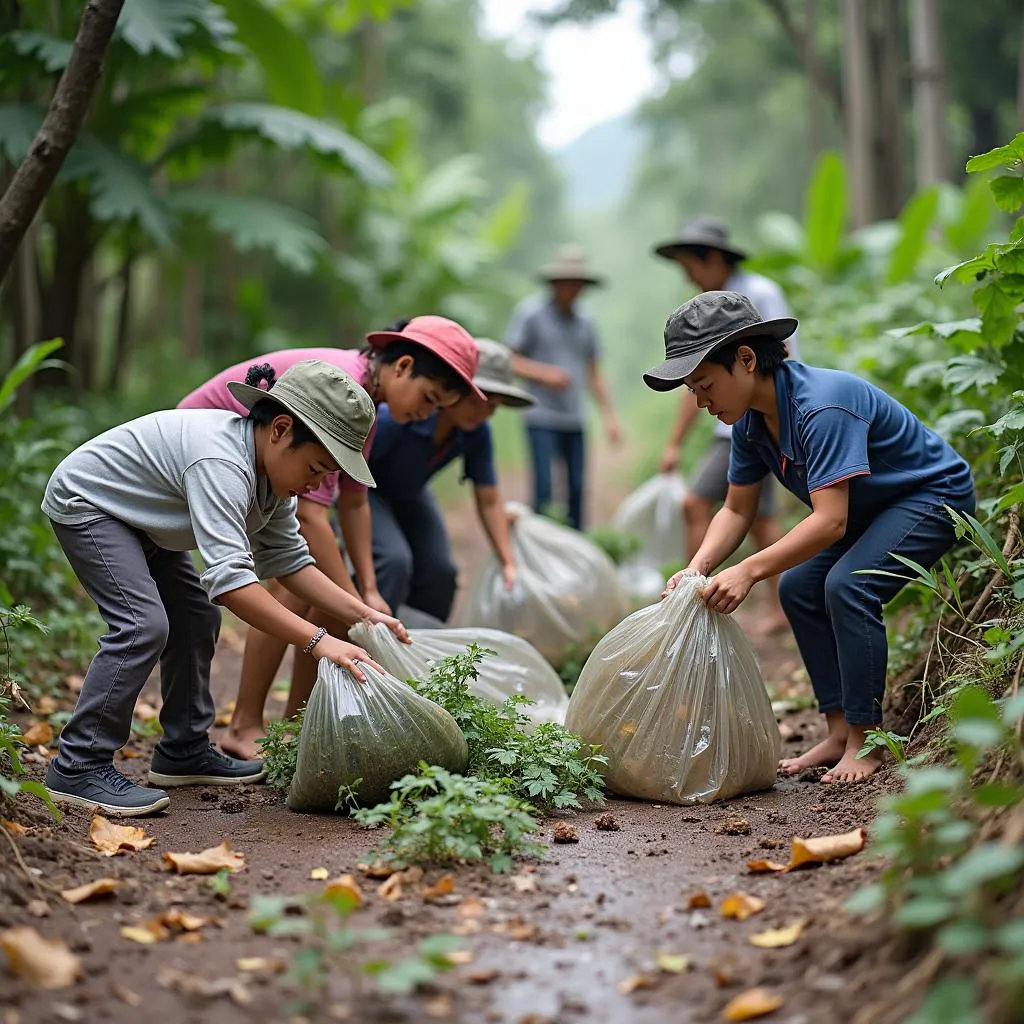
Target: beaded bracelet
{"points": [[317, 637]]}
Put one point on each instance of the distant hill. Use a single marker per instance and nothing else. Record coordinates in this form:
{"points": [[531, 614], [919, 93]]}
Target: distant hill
{"points": [[598, 167]]}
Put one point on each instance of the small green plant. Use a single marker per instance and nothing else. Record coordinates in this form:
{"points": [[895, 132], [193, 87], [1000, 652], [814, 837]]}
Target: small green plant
{"points": [[436, 816], [330, 946], [348, 798], [220, 884], [548, 766], [879, 739], [281, 749], [616, 544]]}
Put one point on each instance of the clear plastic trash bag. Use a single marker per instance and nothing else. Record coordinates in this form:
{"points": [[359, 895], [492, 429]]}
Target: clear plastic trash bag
{"points": [[517, 669], [566, 589], [642, 583], [654, 514], [674, 696], [368, 735]]}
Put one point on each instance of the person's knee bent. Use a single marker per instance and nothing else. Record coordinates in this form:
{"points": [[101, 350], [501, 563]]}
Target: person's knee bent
{"points": [[394, 568], [696, 509], [151, 632], [845, 592], [796, 593]]}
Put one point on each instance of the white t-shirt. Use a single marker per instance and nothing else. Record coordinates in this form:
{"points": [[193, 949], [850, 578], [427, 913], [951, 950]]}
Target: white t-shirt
{"points": [[769, 301]]}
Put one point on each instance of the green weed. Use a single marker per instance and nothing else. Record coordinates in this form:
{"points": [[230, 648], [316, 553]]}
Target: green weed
{"points": [[280, 749]]}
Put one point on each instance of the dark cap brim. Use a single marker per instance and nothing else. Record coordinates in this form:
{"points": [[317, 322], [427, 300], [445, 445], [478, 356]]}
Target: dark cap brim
{"points": [[669, 250], [670, 373]]}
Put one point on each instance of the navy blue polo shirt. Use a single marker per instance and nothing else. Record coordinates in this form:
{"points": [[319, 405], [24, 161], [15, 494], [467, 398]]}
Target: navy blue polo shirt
{"points": [[833, 427], [404, 456]]}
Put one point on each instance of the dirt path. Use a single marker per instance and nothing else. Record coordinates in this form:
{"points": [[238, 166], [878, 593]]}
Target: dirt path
{"points": [[554, 946]]}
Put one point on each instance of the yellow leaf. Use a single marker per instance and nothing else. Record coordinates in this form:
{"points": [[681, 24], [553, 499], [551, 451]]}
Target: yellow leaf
{"points": [[378, 869], [319, 874], [144, 934], [391, 889], [100, 887], [111, 839], [44, 963], [672, 963], [209, 862], [223, 718], [763, 867], [38, 734], [346, 884], [826, 848], [460, 956], [182, 920], [442, 887], [775, 938], [755, 1002], [261, 964], [741, 906], [13, 827], [636, 982]]}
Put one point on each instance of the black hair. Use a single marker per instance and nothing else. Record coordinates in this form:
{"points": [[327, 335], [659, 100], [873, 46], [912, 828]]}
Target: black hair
{"points": [[266, 410], [770, 352], [424, 362], [701, 252]]}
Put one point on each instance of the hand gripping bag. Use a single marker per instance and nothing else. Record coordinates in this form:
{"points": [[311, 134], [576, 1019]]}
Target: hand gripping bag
{"points": [[375, 732], [675, 698], [566, 588], [517, 667], [654, 514]]}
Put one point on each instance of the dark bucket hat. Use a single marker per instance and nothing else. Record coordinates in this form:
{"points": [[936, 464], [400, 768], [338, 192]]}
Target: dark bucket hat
{"points": [[707, 322], [702, 230]]}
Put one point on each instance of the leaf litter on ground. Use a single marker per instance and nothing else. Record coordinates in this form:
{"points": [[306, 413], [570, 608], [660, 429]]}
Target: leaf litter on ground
{"points": [[209, 862], [111, 839], [101, 887], [754, 1003], [820, 850], [41, 962], [740, 906]]}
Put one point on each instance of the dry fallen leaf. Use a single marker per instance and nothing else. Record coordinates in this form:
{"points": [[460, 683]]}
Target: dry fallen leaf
{"points": [[183, 920], [13, 827], [672, 963], [38, 734], [755, 1002], [460, 956], [100, 887], [442, 887], [636, 982], [223, 718], [346, 884], [261, 964], [524, 882], [826, 848], [38, 908], [391, 889], [146, 934], [763, 867], [319, 874], [192, 985], [440, 1007], [698, 900], [74, 683], [378, 869], [741, 906], [522, 931], [776, 938], [126, 995], [111, 839], [209, 862], [145, 712], [471, 907], [481, 977], [44, 963]]}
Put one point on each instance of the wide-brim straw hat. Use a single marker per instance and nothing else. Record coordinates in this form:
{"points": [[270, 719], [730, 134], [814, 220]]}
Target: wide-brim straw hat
{"points": [[570, 264], [494, 375]]}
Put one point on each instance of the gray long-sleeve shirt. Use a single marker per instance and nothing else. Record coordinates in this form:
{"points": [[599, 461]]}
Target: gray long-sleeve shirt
{"points": [[187, 479]]}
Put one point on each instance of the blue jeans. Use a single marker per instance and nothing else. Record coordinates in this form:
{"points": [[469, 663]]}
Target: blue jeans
{"points": [[547, 445], [411, 554], [837, 617]]}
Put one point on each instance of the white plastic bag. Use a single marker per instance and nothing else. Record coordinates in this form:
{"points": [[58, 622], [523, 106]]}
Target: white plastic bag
{"points": [[366, 736], [566, 589], [517, 669], [675, 698], [640, 581], [654, 514]]}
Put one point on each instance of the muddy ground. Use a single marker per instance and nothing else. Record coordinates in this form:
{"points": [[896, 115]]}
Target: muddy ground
{"points": [[554, 942]]}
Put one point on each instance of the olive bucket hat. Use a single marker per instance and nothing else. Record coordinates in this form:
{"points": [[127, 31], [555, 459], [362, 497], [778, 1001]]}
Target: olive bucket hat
{"points": [[494, 375], [707, 322], [704, 231], [334, 407]]}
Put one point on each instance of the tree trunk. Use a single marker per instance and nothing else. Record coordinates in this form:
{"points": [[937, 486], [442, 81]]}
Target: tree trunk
{"points": [[858, 113], [1020, 75], [63, 120], [123, 342], [932, 161], [889, 170], [812, 68]]}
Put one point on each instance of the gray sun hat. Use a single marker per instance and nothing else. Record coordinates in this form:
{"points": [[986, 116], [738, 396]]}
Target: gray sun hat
{"points": [[707, 322], [494, 375], [703, 230], [334, 407], [570, 264]]}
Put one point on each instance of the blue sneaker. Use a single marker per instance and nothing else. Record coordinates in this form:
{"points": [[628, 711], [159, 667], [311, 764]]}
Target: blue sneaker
{"points": [[209, 768], [104, 788]]}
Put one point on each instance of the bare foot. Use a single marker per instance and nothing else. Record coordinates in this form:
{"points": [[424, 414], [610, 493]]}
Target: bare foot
{"points": [[242, 743], [853, 768], [828, 752]]}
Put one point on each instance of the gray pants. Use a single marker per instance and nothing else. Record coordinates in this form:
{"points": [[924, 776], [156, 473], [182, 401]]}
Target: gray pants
{"points": [[411, 554], [156, 611], [712, 479]]}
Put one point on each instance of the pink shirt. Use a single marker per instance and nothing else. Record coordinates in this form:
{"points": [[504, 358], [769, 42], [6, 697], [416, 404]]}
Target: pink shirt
{"points": [[214, 394]]}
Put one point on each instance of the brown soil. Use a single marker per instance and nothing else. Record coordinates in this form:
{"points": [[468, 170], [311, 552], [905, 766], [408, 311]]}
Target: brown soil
{"points": [[599, 910]]}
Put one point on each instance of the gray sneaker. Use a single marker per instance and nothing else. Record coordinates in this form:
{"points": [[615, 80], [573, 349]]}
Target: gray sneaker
{"points": [[209, 768], [105, 788]]}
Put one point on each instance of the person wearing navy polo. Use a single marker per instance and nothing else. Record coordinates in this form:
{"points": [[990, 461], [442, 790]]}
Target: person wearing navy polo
{"points": [[411, 554], [878, 483]]}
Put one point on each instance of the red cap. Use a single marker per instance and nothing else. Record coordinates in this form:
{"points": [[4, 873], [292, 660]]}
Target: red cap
{"points": [[449, 341]]}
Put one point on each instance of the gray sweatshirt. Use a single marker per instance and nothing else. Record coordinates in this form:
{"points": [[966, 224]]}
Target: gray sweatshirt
{"points": [[187, 479]]}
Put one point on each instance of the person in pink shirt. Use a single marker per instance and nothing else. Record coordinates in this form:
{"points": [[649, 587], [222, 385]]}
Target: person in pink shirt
{"points": [[417, 367]]}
